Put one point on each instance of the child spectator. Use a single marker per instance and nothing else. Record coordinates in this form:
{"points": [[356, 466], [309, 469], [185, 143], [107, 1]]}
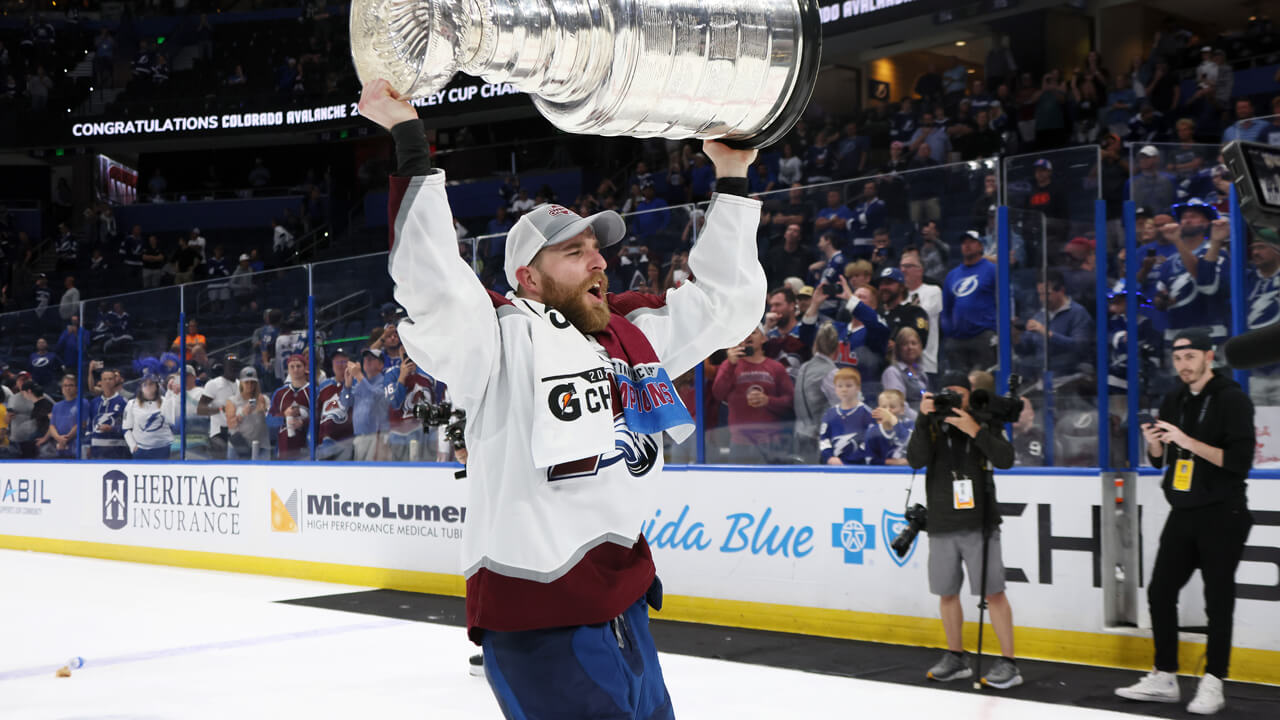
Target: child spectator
{"points": [[886, 442], [844, 427]]}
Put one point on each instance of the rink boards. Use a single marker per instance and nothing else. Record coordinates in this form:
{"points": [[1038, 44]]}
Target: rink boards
{"points": [[804, 550]]}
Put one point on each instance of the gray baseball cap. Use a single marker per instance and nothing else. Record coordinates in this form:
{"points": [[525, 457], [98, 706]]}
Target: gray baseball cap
{"points": [[549, 224]]}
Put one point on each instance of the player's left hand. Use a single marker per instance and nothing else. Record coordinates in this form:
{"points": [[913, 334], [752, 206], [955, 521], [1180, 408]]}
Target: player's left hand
{"points": [[727, 161], [964, 422], [382, 104]]}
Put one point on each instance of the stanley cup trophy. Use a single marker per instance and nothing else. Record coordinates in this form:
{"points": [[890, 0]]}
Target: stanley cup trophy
{"points": [[736, 70]]}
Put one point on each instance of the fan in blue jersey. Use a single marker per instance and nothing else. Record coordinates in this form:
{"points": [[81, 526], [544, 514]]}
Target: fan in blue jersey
{"points": [[1262, 285], [844, 427], [106, 420], [886, 442], [830, 268], [1192, 286], [969, 308], [1149, 344]]}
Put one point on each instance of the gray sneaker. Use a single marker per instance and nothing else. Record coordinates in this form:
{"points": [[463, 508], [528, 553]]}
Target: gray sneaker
{"points": [[1003, 675], [951, 667]]}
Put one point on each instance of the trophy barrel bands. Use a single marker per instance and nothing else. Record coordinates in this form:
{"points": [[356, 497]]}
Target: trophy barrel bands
{"points": [[739, 70]]}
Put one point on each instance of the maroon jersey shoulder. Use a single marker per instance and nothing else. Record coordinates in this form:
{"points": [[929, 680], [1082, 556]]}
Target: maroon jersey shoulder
{"points": [[627, 302], [497, 300], [398, 186]]}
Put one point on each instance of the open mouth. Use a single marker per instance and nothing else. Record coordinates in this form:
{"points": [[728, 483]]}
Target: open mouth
{"points": [[596, 290]]}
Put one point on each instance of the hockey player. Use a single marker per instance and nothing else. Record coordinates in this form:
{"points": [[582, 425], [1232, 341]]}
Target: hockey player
{"points": [[146, 427], [106, 420], [290, 411], [567, 391]]}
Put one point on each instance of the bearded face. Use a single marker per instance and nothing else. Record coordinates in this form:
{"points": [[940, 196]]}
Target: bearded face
{"points": [[585, 304]]}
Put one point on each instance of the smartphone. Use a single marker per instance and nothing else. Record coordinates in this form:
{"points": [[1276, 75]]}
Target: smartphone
{"points": [[1146, 419]]}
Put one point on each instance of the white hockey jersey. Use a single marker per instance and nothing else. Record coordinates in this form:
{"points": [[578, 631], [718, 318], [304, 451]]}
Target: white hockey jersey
{"points": [[548, 547]]}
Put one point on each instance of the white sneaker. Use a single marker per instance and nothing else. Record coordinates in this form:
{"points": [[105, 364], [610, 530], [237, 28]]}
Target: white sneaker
{"points": [[1156, 686], [1208, 699]]}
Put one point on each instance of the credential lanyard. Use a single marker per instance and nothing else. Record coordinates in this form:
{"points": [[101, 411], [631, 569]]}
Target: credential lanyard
{"points": [[1184, 453]]}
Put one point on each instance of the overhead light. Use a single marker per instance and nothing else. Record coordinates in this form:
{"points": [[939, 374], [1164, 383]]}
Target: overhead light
{"points": [[960, 43]]}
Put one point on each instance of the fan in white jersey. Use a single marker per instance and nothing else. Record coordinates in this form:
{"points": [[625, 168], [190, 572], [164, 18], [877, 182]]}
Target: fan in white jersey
{"points": [[146, 425]]}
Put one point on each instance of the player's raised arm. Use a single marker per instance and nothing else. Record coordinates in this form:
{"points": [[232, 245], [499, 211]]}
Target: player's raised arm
{"points": [[451, 329], [727, 297]]}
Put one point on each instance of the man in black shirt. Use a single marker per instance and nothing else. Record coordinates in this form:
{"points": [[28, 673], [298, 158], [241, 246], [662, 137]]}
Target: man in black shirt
{"points": [[790, 259], [964, 522], [1205, 441]]}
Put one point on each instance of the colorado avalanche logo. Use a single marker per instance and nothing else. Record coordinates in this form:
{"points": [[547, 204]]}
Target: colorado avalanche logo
{"points": [[640, 452], [334, 411]]}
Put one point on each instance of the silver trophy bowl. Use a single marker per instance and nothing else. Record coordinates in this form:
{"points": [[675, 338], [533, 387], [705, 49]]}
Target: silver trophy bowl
{"points": [[736, 70]]}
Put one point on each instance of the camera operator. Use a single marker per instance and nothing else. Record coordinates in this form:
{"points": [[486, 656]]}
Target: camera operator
{"points": [[959, 452], [1205, 442]]}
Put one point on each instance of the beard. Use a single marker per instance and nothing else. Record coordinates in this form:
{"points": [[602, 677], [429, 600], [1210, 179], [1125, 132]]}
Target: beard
{"points": [[572, 302]]}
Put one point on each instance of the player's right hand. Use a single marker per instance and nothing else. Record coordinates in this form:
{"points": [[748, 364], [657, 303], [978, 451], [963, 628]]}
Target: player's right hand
{"points": [[382, 104]]}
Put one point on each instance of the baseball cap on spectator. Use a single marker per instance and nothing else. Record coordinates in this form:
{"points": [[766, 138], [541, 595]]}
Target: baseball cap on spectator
{"points": [[296, 357], [1198, 205], [249, 374], [550, 224], [1149, 151], [1206, 49], [806, 291], [971, 235], [892, 274], [955, 379], [371, 352], [1043, 163], [244, 257], [1119, 291], [339, 351], [1267, 237], [1193, 339], [1082, 241], [191, 370]]}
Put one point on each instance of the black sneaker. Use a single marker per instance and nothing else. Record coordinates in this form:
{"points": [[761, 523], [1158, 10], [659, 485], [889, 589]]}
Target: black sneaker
{"points": [[477, 665]]}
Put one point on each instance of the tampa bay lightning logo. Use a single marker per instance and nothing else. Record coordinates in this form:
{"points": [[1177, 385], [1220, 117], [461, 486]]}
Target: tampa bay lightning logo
{"points": [[965, 286], [40, 361], [153, 423], [1264, 308], [105, 418]]}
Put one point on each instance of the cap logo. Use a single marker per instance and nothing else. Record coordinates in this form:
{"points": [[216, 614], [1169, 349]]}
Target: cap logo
{"points": [[558, 210]]}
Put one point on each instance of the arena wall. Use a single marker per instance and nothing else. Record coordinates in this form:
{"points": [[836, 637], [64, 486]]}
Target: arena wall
{"points": [[801, 550]]}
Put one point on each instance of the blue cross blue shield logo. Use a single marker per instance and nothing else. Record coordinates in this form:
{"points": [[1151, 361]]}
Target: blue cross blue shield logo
{"points": [[853, 536], [115, 499], [893, 524]]}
